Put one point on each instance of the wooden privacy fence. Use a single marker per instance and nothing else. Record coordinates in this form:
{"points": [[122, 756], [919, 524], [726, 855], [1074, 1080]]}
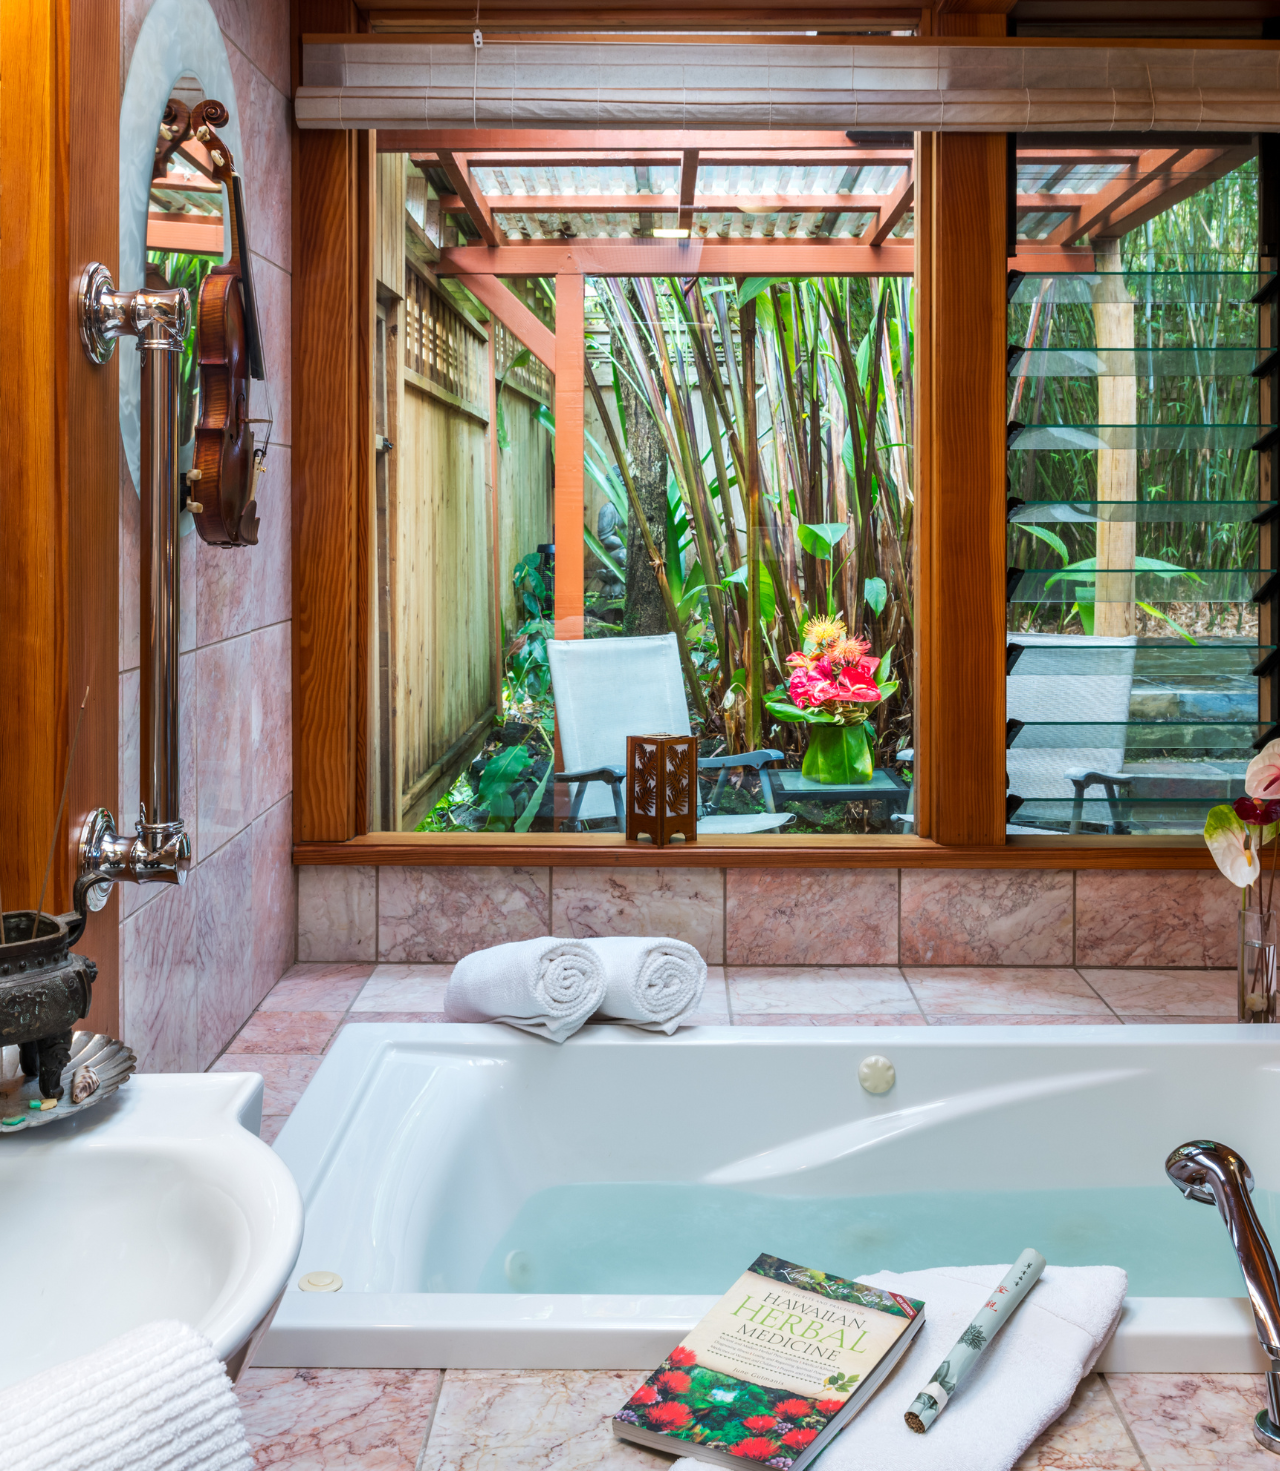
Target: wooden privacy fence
{"points": [[526, 498], [442, 534]]}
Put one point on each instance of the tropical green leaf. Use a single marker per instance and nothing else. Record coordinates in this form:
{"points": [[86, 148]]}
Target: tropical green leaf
{"points": [[820, 539], [877, 594], [1048, 537], [603, 553], [768, 604], [754, 285]]}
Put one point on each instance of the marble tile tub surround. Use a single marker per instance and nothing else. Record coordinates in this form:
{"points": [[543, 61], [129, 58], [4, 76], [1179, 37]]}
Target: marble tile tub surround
{"points": [[195, 962], [1011, 918], [557, 1420]]}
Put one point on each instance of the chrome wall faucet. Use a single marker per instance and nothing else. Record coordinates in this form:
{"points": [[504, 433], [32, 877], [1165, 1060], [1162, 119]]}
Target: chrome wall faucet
{"points": [[1214, 1174], [160, 850]]}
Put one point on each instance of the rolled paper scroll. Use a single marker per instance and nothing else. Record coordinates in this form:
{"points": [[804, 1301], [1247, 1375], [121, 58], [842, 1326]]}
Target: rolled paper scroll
{"points": [[990, 1318]]}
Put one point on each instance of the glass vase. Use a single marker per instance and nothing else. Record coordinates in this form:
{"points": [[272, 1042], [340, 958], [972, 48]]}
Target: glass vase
{"points": [[1257, 988], [838, 755]]}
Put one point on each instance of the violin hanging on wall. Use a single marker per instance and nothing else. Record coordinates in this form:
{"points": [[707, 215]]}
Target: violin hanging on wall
{"points": [[222, 481]]}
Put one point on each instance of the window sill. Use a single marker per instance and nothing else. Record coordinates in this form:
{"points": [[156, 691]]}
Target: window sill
{"points": [[610, 850]]}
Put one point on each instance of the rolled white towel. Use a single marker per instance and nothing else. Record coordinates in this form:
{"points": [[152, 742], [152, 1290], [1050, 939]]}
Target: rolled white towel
{"points": [[154, 1399], [545, 986], [650, 983]]}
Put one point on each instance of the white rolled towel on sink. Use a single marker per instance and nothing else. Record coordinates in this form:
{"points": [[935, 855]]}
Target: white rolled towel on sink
{"points": [[154, 1399], [545, 986], [650, 983]]}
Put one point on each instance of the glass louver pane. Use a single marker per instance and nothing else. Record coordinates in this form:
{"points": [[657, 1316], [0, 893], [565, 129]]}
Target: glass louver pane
{"points": [[1145, 438], [1084, 512], [1181, 287], [1136, 362], [1127, 585]]}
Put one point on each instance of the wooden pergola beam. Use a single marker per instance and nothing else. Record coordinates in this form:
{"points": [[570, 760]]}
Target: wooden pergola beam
{"points": [[457, 167], [1184, 179], [889, 213], [605, 257], [1115, 193], [507, 307], [688, 187]]}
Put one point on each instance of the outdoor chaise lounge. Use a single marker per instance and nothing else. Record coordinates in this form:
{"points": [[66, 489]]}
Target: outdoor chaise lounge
{"points": [[609, 688]]}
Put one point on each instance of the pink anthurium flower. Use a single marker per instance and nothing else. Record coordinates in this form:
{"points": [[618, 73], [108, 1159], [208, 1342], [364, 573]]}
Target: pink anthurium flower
{"points": [[1262, 775], [1231, 844]]}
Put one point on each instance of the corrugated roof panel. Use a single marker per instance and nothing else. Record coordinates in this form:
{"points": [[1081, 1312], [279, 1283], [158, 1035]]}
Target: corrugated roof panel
{"points": [[560, 225], [1056, 178], [781, 225], [560, 179], [801, 178]]}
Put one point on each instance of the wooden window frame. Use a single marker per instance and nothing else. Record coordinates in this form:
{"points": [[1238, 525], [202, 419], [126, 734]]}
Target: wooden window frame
{"points": [[960, 198]]}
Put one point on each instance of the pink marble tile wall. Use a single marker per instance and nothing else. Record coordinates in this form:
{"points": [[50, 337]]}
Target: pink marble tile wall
{"points": [[196, 961], [812, 916], [432, 915], [1160, 919], [986, 917], [684, 903], [1177, 927]]}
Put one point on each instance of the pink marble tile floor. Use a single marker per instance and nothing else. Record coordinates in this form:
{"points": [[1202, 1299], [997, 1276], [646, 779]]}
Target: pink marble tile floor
{"points": [[557, 1420]]}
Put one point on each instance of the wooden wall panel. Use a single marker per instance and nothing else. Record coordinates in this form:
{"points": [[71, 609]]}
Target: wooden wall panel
{"points": [[93, 487], [961, 241], [58, 183]]}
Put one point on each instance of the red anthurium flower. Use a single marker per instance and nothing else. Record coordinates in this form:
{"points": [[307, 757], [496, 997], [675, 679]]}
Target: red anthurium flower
{"points": [[758, 1423], [681, 1358], [830, 1406], [670, 1416], [645, 1395], [1259, 813], [758, 1448], [674, 1382], [794, 1409], [798, 1439]]}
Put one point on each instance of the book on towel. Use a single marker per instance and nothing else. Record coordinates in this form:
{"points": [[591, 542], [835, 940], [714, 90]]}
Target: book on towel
{"points": [[775, 1371]]}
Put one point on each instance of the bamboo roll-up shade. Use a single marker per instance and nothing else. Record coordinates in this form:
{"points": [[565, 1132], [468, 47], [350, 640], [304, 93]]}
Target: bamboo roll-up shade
{"points": [[906, 83]]}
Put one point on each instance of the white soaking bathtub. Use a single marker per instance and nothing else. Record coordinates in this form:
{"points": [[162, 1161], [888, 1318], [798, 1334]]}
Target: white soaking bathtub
{"points": [[491, 1200]]}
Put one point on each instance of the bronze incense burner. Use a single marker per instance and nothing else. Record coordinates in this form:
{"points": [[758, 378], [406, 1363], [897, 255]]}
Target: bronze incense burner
{"points": [[44, 990]]}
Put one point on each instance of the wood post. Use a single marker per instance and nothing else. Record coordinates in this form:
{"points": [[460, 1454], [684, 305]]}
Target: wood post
{"points": [[570, 448], [1114, 613], [960, 526]]}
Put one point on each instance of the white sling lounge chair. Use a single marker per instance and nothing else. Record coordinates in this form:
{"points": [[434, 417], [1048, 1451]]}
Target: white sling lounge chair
{"points": [[609, 688]]}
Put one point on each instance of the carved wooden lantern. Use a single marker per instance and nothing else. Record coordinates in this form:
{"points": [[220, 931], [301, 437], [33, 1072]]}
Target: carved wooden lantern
{"points": [[662, 788]]}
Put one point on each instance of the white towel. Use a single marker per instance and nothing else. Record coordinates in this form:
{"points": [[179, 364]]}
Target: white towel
{"points": [[545, 986], [155, 1399], [650, 983], [1020, 1386]]}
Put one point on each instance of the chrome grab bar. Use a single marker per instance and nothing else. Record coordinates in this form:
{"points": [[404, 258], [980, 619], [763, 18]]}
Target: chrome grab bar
{"points": [[160, 850], [1214, 1174]]}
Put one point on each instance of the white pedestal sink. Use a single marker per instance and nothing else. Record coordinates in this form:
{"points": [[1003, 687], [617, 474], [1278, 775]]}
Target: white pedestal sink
{"points": [[158, 1203]]}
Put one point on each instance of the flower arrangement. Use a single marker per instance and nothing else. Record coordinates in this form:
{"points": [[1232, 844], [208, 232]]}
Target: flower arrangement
{"points": [[835, 685], [1236, 835]]}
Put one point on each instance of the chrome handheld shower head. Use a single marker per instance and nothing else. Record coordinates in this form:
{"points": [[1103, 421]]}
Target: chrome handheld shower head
{"points": [[1214, 1174]]}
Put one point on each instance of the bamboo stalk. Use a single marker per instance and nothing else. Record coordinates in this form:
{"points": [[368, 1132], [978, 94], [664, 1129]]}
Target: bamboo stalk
{"points": [[651, 551]]}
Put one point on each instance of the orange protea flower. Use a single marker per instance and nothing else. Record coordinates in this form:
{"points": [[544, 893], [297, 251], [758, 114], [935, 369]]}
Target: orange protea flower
{"points": [[848, 650]]}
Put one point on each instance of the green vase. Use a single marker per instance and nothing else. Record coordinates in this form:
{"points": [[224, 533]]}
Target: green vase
{"points": [[839, 755]]}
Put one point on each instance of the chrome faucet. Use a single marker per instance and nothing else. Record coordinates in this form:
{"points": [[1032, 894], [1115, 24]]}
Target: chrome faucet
{"points": [[1214, 1174], [160, 850]]}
